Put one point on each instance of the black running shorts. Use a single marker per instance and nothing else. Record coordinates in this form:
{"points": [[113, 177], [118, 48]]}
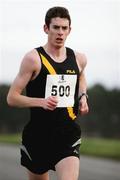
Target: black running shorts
{"points": [[43, 148]]}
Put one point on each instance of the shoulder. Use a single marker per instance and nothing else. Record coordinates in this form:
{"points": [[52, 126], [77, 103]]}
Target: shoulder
{"points": [[31, 63], [81, 59], [31, 57]]}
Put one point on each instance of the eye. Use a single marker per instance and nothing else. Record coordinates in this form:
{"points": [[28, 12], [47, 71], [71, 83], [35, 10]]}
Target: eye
{"points": [[56, 27], [65, 27]]}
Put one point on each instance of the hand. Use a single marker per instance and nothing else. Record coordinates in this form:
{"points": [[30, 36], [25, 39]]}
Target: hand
{"points": [[83, 106], [50, 103]]}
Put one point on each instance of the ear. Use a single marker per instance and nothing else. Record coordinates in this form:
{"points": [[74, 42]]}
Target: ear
{"points": [[69, 29], [45, 29]]}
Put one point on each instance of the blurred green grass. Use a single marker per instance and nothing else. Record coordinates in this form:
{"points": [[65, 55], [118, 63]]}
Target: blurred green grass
{"points": [[99, 147], [10, 138], [106, 148]]}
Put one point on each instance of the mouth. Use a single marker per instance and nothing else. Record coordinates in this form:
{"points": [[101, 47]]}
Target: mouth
{"points": [[59, 40]]}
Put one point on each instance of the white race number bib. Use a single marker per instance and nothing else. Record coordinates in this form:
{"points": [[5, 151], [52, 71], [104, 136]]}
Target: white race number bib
{"points": [[62, 86]]}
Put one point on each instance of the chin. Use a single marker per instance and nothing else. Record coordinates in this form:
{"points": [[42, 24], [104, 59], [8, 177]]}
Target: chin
{"points": [[59, 45]]}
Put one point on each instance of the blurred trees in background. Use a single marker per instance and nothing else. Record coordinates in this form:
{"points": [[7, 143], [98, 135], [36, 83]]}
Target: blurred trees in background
{"points": [[12, 119], [104, 116], [103, 119]]}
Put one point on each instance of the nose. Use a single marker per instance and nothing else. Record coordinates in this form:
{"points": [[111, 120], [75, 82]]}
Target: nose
{"points": [[60, 31]]}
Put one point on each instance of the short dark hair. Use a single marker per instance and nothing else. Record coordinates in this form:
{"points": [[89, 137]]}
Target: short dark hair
{"points": [[57, 11]]}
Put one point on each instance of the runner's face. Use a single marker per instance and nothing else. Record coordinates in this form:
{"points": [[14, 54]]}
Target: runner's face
{"points": [[58, 31]]}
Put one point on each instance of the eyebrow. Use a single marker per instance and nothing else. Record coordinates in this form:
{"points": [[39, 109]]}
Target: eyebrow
{"points": [[56, 26]]}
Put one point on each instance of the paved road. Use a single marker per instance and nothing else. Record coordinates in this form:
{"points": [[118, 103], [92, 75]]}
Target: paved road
{"points": [[91, 168]]}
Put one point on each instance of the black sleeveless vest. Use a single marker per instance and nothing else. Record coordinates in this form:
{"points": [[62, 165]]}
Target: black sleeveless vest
{"points": [[36, 88]]}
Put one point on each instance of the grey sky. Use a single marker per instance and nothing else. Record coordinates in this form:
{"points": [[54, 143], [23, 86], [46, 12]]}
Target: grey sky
{"points": [[95, 32]]}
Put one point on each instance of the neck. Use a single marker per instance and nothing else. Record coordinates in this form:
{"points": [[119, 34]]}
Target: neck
{"points": [[57, 54]]}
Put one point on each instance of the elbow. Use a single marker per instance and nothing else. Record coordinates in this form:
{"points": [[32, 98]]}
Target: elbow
{"points": [[10, 100]]}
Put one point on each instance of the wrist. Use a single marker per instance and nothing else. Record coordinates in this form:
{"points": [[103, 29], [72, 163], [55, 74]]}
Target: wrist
{"points": [[83, 94]]}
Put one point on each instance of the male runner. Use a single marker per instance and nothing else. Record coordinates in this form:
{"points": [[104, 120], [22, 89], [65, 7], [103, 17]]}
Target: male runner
{"points": [[53, 76]]}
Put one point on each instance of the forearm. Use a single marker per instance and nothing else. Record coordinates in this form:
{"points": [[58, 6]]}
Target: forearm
{"points": [[82, 85], [83, 97], [24, 101]]}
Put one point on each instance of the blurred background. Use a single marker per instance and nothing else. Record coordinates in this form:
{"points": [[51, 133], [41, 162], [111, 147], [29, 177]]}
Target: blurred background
{"points": [[96, 33]]}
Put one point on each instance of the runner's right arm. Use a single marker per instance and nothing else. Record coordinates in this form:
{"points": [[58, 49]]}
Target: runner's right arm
{"points": [[29, 69]]}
